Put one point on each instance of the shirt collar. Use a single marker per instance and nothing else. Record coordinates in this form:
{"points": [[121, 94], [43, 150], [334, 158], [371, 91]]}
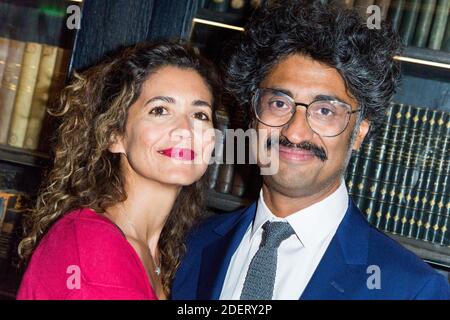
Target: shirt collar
{"points": [[312, 224]]}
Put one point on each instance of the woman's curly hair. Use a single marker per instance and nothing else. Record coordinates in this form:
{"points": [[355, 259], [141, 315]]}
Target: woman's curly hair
{"points": [[334, 36], [85, 174]]}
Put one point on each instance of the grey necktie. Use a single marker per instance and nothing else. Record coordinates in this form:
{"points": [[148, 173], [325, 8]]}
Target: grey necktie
{"points": [[260, 278]]}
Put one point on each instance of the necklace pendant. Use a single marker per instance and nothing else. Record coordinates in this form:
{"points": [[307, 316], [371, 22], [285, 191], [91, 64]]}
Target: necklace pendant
{"points": [[158, 271]]}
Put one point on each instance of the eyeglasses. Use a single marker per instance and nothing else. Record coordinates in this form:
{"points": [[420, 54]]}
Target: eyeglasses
{"points": [[327, 118]]}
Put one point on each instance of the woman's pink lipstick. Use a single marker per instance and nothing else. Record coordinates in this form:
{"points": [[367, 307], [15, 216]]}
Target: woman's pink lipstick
{"points": [[178, 153]]}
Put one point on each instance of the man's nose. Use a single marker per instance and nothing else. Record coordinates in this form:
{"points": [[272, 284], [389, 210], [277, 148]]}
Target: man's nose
{"points": [[298, 129]]}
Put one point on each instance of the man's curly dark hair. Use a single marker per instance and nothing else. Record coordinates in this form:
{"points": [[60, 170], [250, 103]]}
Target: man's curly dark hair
{"points": [[337, 37]]}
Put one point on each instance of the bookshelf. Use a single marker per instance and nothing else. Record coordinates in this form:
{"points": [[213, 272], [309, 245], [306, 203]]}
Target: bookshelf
{"points": [[425, 83], [24, 157]]}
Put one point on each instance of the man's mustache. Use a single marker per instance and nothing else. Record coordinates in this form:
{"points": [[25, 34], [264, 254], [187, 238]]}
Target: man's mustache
{"points": [[319, 152]]}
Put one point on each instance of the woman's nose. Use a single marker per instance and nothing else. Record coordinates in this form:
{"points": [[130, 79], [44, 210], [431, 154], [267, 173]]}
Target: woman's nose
{"points": [[182, 129]]}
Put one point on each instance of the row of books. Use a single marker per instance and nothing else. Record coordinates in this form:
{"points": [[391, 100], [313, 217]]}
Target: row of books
{"points": [[401, 178], [33, 64], [420, 23], [423, 23], [32, 72]]}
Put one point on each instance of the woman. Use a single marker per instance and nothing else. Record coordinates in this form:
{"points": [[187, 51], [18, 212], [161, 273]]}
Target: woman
{"points": [[126, 183]]}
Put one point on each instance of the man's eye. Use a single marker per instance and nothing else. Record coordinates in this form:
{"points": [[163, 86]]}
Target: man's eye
{"points": [[278, 104], [158, 111], [201, 116], [325, 112]]}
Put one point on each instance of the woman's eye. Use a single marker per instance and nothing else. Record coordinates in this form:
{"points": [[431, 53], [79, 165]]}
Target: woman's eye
{"points": [[201, 116], [158, 111]]}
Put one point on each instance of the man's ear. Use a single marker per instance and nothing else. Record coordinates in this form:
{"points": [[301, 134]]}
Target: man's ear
{"points": [[363, 130], [116, 145]]}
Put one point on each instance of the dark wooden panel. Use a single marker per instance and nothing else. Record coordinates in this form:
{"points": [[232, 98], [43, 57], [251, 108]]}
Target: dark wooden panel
{"points": [[430, 92], [106, 25], [172, 19]]}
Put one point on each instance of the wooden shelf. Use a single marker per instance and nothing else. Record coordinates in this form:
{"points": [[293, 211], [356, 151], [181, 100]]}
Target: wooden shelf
{"points": [[427, 55], [24, 157], [221, 17]]}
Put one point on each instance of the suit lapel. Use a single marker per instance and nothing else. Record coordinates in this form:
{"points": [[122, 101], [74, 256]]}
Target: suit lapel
{"points": [[217, 256], [342, 270]]}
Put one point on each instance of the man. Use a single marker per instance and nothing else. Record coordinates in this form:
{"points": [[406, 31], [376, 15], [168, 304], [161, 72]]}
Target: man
{"points": [[318, 78]]}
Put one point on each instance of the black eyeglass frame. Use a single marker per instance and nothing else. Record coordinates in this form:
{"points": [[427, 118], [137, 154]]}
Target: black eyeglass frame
{"points": [[296, 104]]}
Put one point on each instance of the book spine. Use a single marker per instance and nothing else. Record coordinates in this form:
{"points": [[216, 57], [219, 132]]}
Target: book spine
{"points": [[415, 161], [225, 179], [439, 24], [436, 232], [222, 125], [440, 189], [430, 178], [401, 175], [8, 89], [384, 6], [395, 13], [446, 41], [416, 173], [238, 188], [403, 213], [22, 105], [350, 173], [355, 166], [377, 182], [59, 73], [362, 182], [4, 44], [393, 170], [57, 84], [441, 233], [424, 23], [409, 20], [40, 97]]}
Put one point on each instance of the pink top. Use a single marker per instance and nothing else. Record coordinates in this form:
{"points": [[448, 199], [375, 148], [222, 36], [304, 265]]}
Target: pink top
{"points": [[85, 256]]}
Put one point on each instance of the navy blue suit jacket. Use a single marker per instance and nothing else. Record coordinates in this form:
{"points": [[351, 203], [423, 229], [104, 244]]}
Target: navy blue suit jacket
{"points": [[343, 272]]}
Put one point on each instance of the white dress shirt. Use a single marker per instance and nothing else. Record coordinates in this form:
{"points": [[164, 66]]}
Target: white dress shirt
{"points": [[299, 255]]}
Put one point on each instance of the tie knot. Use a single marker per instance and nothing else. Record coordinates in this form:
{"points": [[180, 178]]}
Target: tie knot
{"points": [[275, 233]]}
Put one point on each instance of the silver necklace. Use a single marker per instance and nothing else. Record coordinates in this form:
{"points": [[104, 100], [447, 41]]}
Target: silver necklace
{"points": [[156, 268]]}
